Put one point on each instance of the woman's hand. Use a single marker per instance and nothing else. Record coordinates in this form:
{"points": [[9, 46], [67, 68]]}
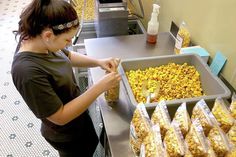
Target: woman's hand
{"points": [[109, 81], [109, 64]]}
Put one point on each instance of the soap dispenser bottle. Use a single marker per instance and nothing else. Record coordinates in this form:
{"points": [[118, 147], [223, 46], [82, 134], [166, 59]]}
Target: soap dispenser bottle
{"points": [[153, 25]]}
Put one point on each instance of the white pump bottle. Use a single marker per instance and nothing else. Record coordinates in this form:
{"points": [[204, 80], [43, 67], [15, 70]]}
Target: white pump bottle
{"points": [[153, 25]]}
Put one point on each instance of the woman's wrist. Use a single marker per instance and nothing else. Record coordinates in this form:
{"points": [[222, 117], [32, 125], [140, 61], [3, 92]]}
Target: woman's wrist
{"points": [[98, 62], [98, 87]]}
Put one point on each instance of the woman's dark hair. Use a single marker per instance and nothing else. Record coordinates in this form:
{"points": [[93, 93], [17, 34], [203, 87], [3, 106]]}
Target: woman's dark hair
{"points": [[41, 14]]}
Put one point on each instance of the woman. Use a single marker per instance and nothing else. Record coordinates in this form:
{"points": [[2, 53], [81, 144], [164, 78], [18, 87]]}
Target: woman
{"points": [[42, 73]]}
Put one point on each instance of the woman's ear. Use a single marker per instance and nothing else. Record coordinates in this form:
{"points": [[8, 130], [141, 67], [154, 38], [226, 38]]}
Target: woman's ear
{"points": [[47, 35]]}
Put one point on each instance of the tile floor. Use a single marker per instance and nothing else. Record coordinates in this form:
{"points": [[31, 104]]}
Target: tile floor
{"points": [[19, 129]]}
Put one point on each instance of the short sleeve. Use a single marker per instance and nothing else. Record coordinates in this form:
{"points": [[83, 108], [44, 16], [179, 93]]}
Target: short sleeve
{"points": [[40, 96], [67, 53]]}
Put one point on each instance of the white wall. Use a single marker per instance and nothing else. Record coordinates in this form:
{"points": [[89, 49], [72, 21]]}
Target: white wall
{"points": [[212, 24]]}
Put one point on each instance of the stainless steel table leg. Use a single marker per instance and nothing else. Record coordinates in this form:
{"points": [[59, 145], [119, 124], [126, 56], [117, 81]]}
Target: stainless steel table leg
{"points": [[106, 146]]}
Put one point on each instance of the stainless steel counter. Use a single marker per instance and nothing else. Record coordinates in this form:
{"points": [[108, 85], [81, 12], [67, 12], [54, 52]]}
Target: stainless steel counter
{"points": [[117, 118]]}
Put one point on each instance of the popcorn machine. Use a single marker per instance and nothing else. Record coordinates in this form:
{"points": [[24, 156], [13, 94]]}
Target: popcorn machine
{"points": [[109, 17]]}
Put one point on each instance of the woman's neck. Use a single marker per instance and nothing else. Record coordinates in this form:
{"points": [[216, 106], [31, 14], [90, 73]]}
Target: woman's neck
{"points": [[34, 45]]}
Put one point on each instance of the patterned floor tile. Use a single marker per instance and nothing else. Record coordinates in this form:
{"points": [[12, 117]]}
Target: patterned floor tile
{"points": [[19, 129]]}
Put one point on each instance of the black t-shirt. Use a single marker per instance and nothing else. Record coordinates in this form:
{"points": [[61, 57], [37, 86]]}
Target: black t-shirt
{"points": [[46, 81]]}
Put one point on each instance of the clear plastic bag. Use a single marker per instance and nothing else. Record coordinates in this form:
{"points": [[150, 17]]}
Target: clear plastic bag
{"points": [[196, 140], [182, 38], [222, 115], [139, 128], [202, 113], [233, 106], [210, 153], [232, 153], [161, 116], [232, 135], [152, 145], [219, 141], [112, 95], [135, 144], [182, 117], [174, 141], [188, 154]]}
